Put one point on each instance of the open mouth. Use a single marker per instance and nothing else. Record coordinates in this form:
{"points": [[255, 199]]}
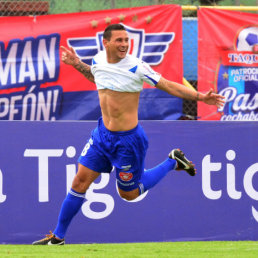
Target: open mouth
{"points": [[123, 50]]}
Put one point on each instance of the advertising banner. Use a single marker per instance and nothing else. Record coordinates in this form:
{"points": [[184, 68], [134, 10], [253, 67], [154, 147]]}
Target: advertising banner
{"points": [[36, 85], [228, 63], [39, 160]]}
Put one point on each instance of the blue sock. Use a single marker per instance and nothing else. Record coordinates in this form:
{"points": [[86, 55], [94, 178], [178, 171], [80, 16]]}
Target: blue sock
{"points": [[71, 205], [152, 176]]}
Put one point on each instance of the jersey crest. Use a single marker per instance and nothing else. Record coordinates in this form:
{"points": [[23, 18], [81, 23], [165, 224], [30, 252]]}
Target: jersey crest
{"points": [[149, 47]]}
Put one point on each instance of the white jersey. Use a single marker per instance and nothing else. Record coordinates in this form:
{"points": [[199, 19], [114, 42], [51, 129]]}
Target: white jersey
{"points": [[127, 75]]}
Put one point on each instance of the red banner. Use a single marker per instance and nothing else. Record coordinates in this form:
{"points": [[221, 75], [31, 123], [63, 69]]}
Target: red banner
{"points": [[35, 85], [228, 63]]}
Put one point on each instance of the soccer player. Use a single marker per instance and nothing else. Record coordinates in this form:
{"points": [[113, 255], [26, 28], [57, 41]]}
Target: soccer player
{"points": [[118, 139]]}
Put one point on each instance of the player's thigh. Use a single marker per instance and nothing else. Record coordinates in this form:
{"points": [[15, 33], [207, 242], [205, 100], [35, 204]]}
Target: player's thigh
{"points": [[129, 164], [94, 158], [91, 163], [84, 178]]}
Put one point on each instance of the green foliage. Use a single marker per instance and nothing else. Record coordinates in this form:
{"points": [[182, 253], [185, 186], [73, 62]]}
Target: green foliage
{"points": [[68, 6]]}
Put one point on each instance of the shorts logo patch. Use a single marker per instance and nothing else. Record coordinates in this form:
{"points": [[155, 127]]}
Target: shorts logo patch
{"points": [[126, 176]]}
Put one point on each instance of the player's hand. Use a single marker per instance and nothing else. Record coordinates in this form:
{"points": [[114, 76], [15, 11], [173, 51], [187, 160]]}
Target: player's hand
{"points": [[69, 56], [212, 98]]}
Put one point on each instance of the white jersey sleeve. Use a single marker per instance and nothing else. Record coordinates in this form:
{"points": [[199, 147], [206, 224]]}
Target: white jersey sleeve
{"points": [[148, 74]]}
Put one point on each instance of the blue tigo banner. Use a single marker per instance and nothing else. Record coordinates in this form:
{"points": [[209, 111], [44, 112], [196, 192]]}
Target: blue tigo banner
{"points": [[38, 161]]}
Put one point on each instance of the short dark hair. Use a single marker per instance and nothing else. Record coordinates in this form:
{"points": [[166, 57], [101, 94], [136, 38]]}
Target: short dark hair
{"points": [[108, 31]]}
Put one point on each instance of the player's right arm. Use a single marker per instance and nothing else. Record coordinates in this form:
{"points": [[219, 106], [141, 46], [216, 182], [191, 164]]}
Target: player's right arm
{"points": [[69, 57]]}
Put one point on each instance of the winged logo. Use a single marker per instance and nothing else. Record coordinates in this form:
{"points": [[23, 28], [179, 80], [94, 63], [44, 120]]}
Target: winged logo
{"points": [[150, 47]]}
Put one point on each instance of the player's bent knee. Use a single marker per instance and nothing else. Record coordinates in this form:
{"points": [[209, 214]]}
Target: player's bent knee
{"points": [[78, 185], [129, 196], [83, 179]]}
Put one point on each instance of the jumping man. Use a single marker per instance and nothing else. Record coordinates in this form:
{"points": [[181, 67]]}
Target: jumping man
{"points": [[119, 140]]}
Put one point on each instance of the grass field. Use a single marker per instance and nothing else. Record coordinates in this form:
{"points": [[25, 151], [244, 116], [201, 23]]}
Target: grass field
{"points": [[237, 249]]}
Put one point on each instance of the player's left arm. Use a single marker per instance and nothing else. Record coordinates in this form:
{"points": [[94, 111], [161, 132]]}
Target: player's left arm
{"points": [[181, 91], [69, 57]]}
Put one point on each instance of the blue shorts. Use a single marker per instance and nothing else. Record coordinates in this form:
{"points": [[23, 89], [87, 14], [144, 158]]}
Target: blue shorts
{"points": [[124, 150]]}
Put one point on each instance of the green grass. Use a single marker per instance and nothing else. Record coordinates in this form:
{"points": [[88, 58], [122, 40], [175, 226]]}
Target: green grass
{"points": [[211, 249]]}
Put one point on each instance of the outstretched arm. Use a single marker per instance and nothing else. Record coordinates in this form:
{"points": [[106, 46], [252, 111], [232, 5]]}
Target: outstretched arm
{"points": [[183, 92], [69, 57]]}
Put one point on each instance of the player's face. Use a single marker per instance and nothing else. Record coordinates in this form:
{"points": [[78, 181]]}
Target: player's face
{"points": [[117, 46]]}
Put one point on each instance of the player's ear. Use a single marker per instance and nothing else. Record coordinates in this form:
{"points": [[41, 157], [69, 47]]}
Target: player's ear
{"points": [[105, 42]]}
